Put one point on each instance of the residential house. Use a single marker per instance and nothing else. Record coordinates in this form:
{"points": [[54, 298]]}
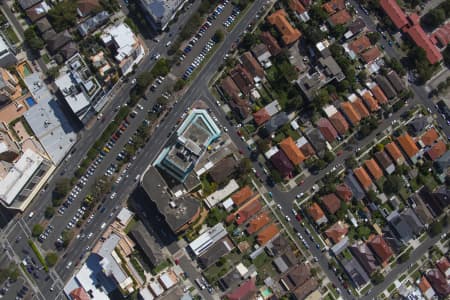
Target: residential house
{"points": [[91, 24], [299, 10], [381, 249], [356, 273], [241, 196], [409, 215], [426, 289], [392, 239], [357, 191], [243, 79], [252, 65], [43, 25], [371, 55], [57, 40], [246, 291], [331, 203], [327, 129], [421, 209], [245, 212], [339, 122], [282, 163], [373, 168], [441, 36], [276, 122], [306, 288], [333, 6], [258, 222], [359, 106], [436, 200], [418, 125], [233, 94], [291, 150], [379, 94], [337, 231], [267, 234], [350, 113], [437, 150], [385, 162], [86, 7], [289, 34], [9, 86], [443, 265], [277, 246], [438, 282], [360, 44], [429, 137], [409, 147], [280, 264], [25, 4], [395, 153], [364, 256], [261, 116], [317, 214], [271, 43], [344, 192], [355, 27], [370, 101], [38, 11], [215, 252], [305, 147], [399, 225], [396, 81], [363, 178], [317, 141], [229, 87], [342, 17], [262, 54], [69, 50], [386, 87], [296, 277], [222, 170]]}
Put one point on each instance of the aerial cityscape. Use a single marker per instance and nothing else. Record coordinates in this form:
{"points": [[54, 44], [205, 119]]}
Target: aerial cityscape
{"points": [[224, 149]]}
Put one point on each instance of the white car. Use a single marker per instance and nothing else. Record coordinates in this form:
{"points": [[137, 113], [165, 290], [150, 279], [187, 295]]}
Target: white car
{"points": [[113, 195], [300, 195], [69, 264], [287, 218], [133, 82], [90, 235], [279, 206], [140, 107]]}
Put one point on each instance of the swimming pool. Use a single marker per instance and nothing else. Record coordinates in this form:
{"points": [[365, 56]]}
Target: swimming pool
{"points": [[266, 293], [30, 101]]}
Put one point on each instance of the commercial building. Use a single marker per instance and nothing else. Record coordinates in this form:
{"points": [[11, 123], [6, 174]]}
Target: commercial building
{"points": [[9, 86], [7, 53], [208, 239], [159, 13]]}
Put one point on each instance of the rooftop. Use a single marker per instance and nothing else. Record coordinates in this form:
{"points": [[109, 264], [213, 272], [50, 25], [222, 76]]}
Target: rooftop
{"points": [[340, 18], [242, 195], [373, 168], [337, 231], [327, 129], [429, 137], [331, 203], [350, 113], [437, 150], [162, 11], [316, 212], [408, 145], [267, 233], [394, 152], [394, 12], [151, 248], [292, 151], [339, 122], [363, 178], [289, 33], [364, 256], [258, 222], [282, 163], [380, 247]]}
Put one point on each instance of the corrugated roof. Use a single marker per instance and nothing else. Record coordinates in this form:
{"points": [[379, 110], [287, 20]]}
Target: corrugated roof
{"points": [[279, 20], [292, 151], [266, 234], [408, 145], [373, 168], [363, 178]]}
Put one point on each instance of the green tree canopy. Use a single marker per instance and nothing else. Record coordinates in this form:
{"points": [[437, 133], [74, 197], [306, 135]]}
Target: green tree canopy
{"points": [[63, 15], [51, 258], [37, 230], [49, 212], [33, 40]]}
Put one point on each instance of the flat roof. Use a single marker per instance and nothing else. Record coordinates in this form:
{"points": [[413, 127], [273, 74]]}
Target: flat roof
{"points": [[76, 101], [208, 239], [19, 175], [219, 195], [109, 262], [124, 216], [148, 243], [162, 11]]}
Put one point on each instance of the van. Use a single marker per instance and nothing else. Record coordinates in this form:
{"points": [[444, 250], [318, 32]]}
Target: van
{"points": [[137, 177], [31, 215], [168, 43], [103, 225], [200, 283]]}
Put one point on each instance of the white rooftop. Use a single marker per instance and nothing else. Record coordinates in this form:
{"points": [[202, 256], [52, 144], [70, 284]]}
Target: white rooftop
{"points": [[111, 262], [167, 281], [208, 238], [156, 288], [124, 216], [19, 175], [145, 294], [123, 37], [77, 102], [219, 195], [329, 110]]}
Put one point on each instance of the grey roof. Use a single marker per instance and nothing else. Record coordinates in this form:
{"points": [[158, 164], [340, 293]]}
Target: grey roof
{"points": [[157, 190], [357, 26], [436, 201], [93, 23], [356, 273], [229, 279], [341, 246], [277, 246], [108, 263], [443, 162], [280, 264], [421, 209], [57, 41], [43, 25], [401, 228], [386, 86], [412, 220], [260, 49], [331, 68], [385, 162], [276, 122], [392, 240], [396, 81], [28, 3], [418, 124], [69, 50], [215, 252], [161, 11], [317, 140], [364, 256], [352, 182], [223, 169], [147, 243]]}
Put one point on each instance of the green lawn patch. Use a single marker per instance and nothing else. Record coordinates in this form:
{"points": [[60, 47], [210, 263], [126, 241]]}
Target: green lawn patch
{"points": [[261, 259], [137, 266], [403, 193], [38, 254], [45, 58], [402, 277], [165, 264], [430, 182], [329, 296], [130, 225], [11, 35], [333, 291], [415, 275]]}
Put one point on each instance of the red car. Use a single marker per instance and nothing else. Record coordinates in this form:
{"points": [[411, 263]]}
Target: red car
{"points": [[298, 217]]}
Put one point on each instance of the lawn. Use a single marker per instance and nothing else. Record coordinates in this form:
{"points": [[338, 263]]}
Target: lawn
{"points": [[403, 193], [45, 58], [11, 35], [261, 259], [430, 182]]}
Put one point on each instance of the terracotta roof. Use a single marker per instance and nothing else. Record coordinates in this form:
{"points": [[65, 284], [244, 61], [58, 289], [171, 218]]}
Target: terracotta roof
{"points": [[245, 212], [363, 178], [360, 108], [437, 150], [429, 137], [271, 43], [360, 44], [442, 34], [267, 233], [258, 222], [229, 87], [337, 231], [371, 54], [307, 150], [379, 95], [306, 288], [394, 12], [408, 145], [422, 40], [242, 195], [327, 129], [331, 203], [373, 168], [339, 123], [261, 116], [296, 6], [252, 65], [424, 285], [298, 275], [443, 265], [438, 282], [344, 192], [394, 152], [291, 150], [350, 113], [282, 163], [380, 248], [315, 212], [242, 78], [79, 294], [245, 291], [370, 101], [87, 6], [280, 21], [333, 6], [340, 18]]}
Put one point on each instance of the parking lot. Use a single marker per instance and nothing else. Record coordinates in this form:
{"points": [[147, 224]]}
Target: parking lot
{"points": [[196, 49]]}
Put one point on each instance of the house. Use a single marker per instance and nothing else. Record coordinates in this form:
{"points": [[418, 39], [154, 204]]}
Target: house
{"points": [[409, 147], [392, 240], [280, 264], [241, 196], [421, 209], [258, 222], [24, 4], [360, 44], [359, 106], [444, 266], [409, 215], [331, 203], [357, 191], [337, 231], [267, 234], [429, 137], [243, 79], [276, 122], [277, 246], [69, 50], [289, 34], [246, 291], [317, 214], [305, 147], [291, 150], [215, 252], [426, 289], [385, 162], [381, 249], [364, 256], [395, 153], [245, 212], [306, 288], [317, 141], [339, 123], [373, 168], [437, 150], [262, 54], [342, 17], [327, 129], [38, 11], [379, 94], [436, 201], [86, 7], [229, 87], [396, 81], [441, 36], [399, 225], [79, 294], [370, 101], [282, 163], [438, 282], [395, 13], [356, 273], [350, 113], [418, 125], [333, 6], [296, 276], [222, 170], [271, 43], [363, 178], [43, 25], [386, 87], [91, 24], [58, 40], [344, 192], [252, 65], [355, 27], [261, 116], [371, 54]]}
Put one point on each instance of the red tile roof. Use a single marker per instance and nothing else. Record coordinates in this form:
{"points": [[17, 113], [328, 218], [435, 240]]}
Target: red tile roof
{"points": [[371, 54], [88, 6], [244, 292], [408, 145], [443, 265], [379, 95], [296, 6], [360, 108], [422, 40], [337, 231], [327, 129], [282, 163], [438, 282], [350, 113], [79, 294], [380, 248], [252, 65], [437, 150], [242, 78], [373, 168], [266, 234], [339, 123], [331, 203], [394, 12], [258, 222], [291, 150], [340, 18], [344, 192], [333, 6], [360, 44], [424, 285], [307, 150], [429, 137], [229, 87], [242, 195], [261, 116], [270, 42], [442, 34], [245, 212], [280, 21], [315, 212], [394, 152], [370, 101], [363, 178]]}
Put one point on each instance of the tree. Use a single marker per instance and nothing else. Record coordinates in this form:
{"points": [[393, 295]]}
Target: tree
{"points": [[404, 257], [328, 156], [62, 187], [372, 196], [245, 166], [377, 278], [351, 163], [248, 41], [363, 232], [179, 85], [49, 212], [67, 236], [435, 228], [434, 18], [37, 230], [374, 37], [446, 55], [218, 36], [63, 15], [33, 40], [392, 184], [51, 258], [52, 73]]}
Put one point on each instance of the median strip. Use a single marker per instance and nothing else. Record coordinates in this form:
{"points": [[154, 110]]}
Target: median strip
{"points": [[38, 255]]}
